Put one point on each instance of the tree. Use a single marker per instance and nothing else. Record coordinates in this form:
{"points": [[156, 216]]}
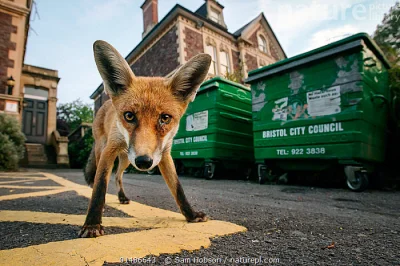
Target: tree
{"points": [[71, 115], [12, 142], [236, 75], [387, 34]]}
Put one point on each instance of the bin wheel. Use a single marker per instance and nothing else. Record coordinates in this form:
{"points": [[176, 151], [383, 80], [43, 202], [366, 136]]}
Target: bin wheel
{"points": [[179, 167], [154, 171], [262, 174], [209, 171], [356, 178], [247, 173]]}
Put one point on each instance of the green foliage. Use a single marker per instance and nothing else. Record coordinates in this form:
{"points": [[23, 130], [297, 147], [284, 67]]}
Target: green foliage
{"points": [[79, 150], [394, 77], [387, 34], [235, 76], [11, 143], [75, 113]]}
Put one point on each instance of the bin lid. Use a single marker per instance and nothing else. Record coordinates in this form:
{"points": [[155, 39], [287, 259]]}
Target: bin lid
{"points": [[215, 83], [351, 42]]}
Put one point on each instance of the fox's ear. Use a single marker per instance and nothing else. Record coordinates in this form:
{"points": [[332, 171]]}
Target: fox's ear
{"points": [[187, 79], [114, 70]]}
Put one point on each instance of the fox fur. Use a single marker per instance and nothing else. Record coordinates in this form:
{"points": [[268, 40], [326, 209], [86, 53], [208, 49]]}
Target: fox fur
{"points": [[138, 125]]}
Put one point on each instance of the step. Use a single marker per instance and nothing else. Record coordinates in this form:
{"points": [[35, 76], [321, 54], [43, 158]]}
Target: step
{"points": [[35, 149], [36, 156], [33, 145], [37, 160], [42, 166], [35, 152]]}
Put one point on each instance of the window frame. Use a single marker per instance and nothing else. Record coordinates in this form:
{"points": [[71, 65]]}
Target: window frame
{"points": [[262, 43], [213, 59], [225, 69], [216, 19]]}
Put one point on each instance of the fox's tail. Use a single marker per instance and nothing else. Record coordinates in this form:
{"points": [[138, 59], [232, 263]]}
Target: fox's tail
{"points": [[90, 169]]}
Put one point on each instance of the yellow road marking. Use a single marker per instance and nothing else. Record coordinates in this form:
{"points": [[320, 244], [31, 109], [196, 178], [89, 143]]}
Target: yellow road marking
{"points": [[111, 248], [33, 194], [133, 208], [170, 232], [31, 187], [22, 176], [61, 218], [23, 181]]}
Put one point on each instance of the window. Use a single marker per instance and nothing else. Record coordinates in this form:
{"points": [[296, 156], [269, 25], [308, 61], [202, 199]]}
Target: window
{"points": [[214, 15], [224, 60], [33, 92], [262, 44], [213, 52]]}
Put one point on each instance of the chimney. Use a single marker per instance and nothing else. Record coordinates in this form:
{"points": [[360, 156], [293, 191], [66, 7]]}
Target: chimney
{"points": [[150, 15]]}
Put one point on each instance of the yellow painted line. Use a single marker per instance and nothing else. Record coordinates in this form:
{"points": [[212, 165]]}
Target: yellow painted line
{"points": [[169, 233], [22, 181], [111, 248], [123, 222], [33, 194], [64, 182], [31, 187], [26, 177], [133, 208], [61, 218], [20, 173]]}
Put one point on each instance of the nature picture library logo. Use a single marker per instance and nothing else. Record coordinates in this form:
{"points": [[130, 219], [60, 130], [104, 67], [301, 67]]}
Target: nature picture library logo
{"points": [[340, 10]]}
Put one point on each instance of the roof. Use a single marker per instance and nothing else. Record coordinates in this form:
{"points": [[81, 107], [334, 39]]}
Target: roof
{"points": [[177, 9], [202, 11], [201, 14], [260, 17], [351, 42], [238, 33]]}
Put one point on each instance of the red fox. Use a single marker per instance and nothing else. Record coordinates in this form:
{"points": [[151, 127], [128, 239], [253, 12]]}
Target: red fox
{"points": [[137, 125]]}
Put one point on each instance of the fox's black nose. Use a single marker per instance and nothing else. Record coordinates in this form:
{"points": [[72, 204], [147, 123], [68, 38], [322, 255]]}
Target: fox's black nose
{"points": [[143, 162]]}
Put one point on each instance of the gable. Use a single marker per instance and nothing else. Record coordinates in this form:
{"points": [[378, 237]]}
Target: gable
{"points": [[257, 26]]}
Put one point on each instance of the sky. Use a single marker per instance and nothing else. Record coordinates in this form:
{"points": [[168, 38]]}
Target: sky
{"points": [[62, 32]]}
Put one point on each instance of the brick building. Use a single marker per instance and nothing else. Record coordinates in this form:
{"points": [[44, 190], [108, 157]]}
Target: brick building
{"points": [[27, 92], [182, 34]]}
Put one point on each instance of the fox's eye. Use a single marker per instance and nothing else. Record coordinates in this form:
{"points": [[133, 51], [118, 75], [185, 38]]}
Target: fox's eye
{"points": [[165, 119], [129, 117]]}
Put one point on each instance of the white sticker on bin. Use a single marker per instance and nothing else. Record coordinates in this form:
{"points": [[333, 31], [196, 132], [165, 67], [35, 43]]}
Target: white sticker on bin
{"points": [[324, 102], [197, 121]]}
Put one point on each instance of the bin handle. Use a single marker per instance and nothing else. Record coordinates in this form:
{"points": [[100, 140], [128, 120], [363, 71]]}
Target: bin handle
{"points": [[379, 96], [233, 96], [396, 117], [227, 95], [236, 117]]}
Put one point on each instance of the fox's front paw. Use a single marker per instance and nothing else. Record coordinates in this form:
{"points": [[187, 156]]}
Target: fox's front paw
{"points": [[91, 231], [199, 217]]}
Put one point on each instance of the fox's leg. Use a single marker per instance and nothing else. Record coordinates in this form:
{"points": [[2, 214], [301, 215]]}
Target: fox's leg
{"points": [[92, 226], [123, 163], [99, 147], [168, 171]]}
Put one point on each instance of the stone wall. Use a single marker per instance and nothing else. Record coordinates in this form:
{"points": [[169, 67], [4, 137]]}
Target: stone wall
{"points": [[194, 43], [6, 29], [161, 58]]}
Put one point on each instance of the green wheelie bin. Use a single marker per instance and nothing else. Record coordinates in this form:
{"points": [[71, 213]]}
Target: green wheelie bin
{"points": [[215, 134], [325, 108]]}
